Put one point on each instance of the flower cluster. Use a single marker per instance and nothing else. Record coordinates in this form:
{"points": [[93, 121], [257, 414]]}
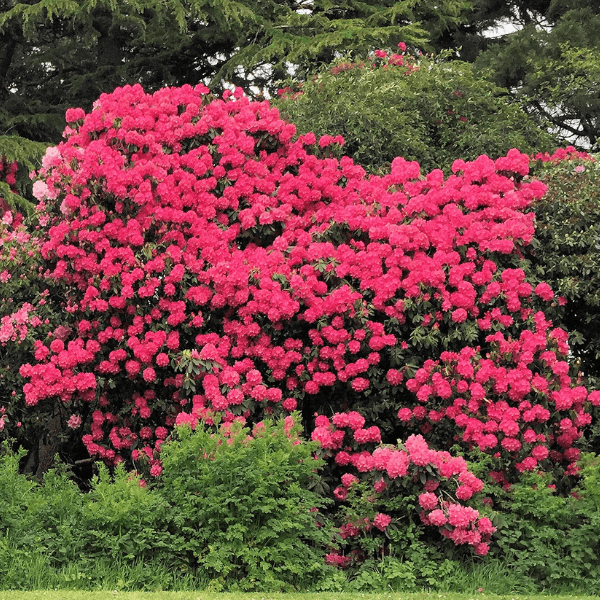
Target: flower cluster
{"points": [[562, 154], [26, 313], [14, 327], [379, 59], [8, 174], [417, 461], [519, 403]]}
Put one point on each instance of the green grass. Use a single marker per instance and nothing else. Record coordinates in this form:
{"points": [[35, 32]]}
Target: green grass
{"points": [[80, 595], [480, 581]]}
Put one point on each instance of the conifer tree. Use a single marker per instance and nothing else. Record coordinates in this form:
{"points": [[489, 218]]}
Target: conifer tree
{"points": [[546, 53]]}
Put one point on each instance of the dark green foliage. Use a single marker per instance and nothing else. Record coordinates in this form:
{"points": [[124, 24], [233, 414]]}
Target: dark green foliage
{"points": [[488, 18], [553, 540], [242, 506], [434, 115], [27, 154], [551, 66], [566, 253]]}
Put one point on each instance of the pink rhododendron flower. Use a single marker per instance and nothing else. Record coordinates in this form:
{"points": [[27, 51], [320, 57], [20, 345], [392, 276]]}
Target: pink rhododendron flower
{"points": [[428, 501], [381, 521], [74, 421]]}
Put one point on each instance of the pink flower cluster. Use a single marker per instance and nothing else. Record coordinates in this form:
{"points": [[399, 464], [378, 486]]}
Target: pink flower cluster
{"points": [[519, 403], [14, 327], [17, 245], [562, 154], [462, 524], [8, 174]]}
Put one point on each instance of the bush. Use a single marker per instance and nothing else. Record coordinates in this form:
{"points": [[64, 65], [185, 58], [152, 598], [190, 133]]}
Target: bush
{"points": [[53, 535], [215, 267], [30, 309], [124, 520], [565, 250], [242, 506], [553, 540], [426, 109]]}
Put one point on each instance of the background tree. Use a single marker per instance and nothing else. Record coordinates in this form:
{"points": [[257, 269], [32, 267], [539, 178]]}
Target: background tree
{"points": [[432, 110], [547, 58]]}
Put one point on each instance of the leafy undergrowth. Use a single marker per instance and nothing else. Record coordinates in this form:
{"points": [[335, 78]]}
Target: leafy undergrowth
{"points": [[110, 595]]}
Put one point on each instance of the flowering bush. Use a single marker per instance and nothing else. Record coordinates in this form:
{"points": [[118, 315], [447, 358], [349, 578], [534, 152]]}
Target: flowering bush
{"points": [[424, 108], [29, 309], [213, 264], [438, 482]]}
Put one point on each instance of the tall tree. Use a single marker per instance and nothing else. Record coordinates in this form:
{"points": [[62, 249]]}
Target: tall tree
{"points": [[547, 57]]}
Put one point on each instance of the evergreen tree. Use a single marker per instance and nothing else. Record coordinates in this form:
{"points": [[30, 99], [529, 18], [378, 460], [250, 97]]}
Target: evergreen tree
{"points": [[548, 58]]}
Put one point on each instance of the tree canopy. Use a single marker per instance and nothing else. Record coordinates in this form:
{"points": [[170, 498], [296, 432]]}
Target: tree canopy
{"points": [[550, 62], [58, 53]]}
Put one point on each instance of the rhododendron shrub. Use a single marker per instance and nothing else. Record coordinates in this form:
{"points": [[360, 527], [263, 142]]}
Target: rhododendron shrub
{"points": [[374, 512], [566, 254], [29, 310], [213, 263]]}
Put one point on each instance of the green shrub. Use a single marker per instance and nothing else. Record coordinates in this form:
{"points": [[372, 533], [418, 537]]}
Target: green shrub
{"points": [[52, 534], [124, 521], [435, 114], [551, 539], [242, 505], [38, 525]]}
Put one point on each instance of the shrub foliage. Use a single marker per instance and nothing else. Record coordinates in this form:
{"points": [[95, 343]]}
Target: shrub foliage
{"points": [[424, 108]]}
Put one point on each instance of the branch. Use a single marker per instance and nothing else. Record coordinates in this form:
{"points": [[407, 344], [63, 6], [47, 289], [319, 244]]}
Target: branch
{"points": [[556, 121]]}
